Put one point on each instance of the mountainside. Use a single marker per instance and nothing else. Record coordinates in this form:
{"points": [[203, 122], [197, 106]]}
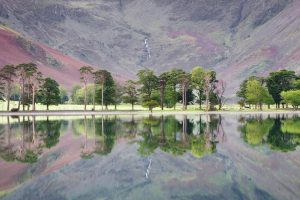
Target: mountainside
{"points": [[15, 49], [237, 38]]}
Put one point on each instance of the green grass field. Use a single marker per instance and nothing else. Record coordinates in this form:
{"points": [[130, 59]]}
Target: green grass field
{"points": [[127, 107]]}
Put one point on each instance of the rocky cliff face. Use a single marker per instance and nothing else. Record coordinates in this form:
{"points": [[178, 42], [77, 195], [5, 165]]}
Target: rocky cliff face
{"points": [[237, 38]]}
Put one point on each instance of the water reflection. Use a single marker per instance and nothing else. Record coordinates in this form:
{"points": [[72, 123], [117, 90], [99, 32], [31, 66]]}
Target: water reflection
{"points": [[279, 133], [164, 156], [26, 138]]}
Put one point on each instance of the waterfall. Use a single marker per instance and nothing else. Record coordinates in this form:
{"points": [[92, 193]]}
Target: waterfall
{"points": [[148, 168], [147, 48]]}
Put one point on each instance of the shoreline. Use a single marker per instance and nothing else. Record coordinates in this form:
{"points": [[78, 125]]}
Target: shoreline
{"points": [[137, 112]]}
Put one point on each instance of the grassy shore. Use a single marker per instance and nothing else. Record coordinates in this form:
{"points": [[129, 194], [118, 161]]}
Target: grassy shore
{"points": [[71, 109]]}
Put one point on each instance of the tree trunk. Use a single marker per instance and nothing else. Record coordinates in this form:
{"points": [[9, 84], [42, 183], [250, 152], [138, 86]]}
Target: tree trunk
{"points": [[102, 98], [132, 106], [183, 97], [47, 107], [94, 97], [23, 94], [200, 102], [85, 97], [33, 99], [162, 97], [175, 97]]}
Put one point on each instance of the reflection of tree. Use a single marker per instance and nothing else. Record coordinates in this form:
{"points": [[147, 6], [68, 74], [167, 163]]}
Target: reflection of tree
{"points": [[256, 130], [86, 152], [279, 133], [27, 138], [279, 140], [105, 135], [149, 133], [131, 127], [291, 126], [176, 137], [50, 131], [7, 152]]}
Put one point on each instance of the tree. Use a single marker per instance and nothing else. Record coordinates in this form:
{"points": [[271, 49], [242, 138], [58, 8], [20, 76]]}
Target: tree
{"points": [[63, 95], [151, 104], [74, 91], [268, 100], [256, 93], [99, 79], [149, 86], [7, 75], [209, 88], [220, 91], [291, 97], [21, 74], [49, 93], [280, 81], [106, 95], [198, 81], [131, 93], [118, 95], [162, 87], [30, 79], [242, 91], [185, 82], [85, 75], [172, 84]]}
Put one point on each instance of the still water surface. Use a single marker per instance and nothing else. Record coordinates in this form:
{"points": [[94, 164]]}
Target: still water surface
{"points": [[150, 157]]}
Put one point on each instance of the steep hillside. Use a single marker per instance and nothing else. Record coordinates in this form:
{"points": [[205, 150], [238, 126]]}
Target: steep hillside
{"points": [[15, 49], [238, 38]]}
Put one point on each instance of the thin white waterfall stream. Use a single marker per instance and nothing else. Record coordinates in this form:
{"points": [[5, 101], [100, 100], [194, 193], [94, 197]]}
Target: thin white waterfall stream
{"points": [[148, 48], [148, 169]]}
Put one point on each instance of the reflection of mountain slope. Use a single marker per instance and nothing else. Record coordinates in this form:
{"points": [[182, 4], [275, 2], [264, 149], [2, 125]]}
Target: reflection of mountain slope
{"points": [[238, 38], [236, 171]]}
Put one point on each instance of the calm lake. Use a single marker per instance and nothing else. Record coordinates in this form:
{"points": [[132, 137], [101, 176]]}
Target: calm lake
{"points": [[150, 157]]}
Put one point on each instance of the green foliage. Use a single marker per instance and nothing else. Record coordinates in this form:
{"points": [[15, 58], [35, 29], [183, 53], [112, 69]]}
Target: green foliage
{"points": [[291, 126], [256, 93], [291, 97], [256, 131], [198, 81], [63, 95], [149, 88], [29, 157], [171, 93], [49, 93], [278, 82], [50, 130], [130, 93], [278, 134], [150, 104], [73, 93], [78, 97], [109, 90]]}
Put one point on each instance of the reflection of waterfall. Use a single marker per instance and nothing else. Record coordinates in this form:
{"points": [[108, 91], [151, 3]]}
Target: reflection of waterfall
{"points": [[148, 169], [148, 48]]}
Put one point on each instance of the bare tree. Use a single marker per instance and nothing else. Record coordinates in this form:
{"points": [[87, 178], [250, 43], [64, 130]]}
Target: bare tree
{"points": [[220, 91]]}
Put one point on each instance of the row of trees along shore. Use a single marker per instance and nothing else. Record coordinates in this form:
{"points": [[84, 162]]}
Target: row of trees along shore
{"points": [[279, 88], [25, 84]]}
